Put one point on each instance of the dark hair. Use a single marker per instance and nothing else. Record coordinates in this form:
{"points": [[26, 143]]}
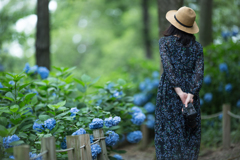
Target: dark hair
{"points": [[184, 38]]}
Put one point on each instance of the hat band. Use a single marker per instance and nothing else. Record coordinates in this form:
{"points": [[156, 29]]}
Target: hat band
{"points": [[181, 23]]}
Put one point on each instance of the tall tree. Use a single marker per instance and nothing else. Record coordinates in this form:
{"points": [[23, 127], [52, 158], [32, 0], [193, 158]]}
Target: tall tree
{"points": [[205, 24], [43, 35], [146, 26], [163, 7]]}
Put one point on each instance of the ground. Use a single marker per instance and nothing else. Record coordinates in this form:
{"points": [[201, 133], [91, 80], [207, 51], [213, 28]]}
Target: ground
{"points": [[134, 153]]}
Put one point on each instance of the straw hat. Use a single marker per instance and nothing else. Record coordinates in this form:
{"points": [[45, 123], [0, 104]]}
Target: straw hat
{"points": [[183, 19]]}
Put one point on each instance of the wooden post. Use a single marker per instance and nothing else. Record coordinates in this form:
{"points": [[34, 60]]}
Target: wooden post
{"points": [[97, 133], [226, 126], [86, 153], [74, 142], [145, 132], [21, 152], [48, 143]]}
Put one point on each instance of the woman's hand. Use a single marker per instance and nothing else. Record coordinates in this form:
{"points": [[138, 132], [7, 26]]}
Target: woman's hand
{"points": [[189, 99]]}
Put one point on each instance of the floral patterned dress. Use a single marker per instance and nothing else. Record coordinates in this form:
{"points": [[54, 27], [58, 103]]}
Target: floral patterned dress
{"points": [[183, 67]]}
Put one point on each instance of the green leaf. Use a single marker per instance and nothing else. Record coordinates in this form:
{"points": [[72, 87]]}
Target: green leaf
{"points": [[14, 108], [85, 78], [44, 117], [4, 110], [25, 127], [23, 86], [95, 80], [121, 82], [5, 89], [15, 143], [40, 83], [3, 131], [79, 81], [119, 151], [34, 101], [51, 107], [39, 106], [114, 127], [12, 130], [16, 121], [3, 121], [29, 96], [9, 95], [81, 88]]}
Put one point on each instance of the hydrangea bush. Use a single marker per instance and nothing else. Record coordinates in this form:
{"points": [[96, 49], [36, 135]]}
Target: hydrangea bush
{"points": [[37, 103]]}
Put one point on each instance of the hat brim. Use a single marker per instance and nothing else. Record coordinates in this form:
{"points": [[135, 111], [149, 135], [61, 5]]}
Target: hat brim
{"points": [[170, 17]]}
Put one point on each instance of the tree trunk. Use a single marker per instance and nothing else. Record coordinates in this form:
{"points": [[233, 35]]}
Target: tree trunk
{"points": [[163, 7], [43, 35], [205, 24], [146, 26]]}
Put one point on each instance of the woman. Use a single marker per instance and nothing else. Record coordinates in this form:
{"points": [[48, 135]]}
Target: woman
{"points": [[180, 83]]}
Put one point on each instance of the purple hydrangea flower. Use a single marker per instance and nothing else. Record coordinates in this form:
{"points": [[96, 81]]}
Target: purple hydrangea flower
{"points": [[112, 138], [50, 123]]}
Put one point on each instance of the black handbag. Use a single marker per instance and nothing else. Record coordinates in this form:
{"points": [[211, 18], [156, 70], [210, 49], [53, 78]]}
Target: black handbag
{"points": [[190, 114]]}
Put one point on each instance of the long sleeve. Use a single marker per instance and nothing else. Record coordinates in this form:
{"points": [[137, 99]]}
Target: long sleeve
{"points": [[167, 66], [198, 73]]}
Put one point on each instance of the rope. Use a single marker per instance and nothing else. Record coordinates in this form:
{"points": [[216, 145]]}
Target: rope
{"points": [[211, 116], [44, 152], [82, 146], [233, 115], [98, 139], [64, 150]]}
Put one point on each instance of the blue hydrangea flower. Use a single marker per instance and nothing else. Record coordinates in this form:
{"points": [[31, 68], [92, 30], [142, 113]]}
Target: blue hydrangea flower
{"points": [[43, 72], [208, 97], [95, 149], [54, 94], [207, 79], [11, 157], [32, 155], [150, 121], [96, 123], [238, 103], [155, 83], [155, 74], [38, 126], [11, 82], [108, 122], [8, 140], [9, 125], [220, 116], [140, 99], [135, 109], [26, 68], [110, 85], [228, 87], [142, 86], [138, 118], [134, 137], [74, 111], [33, 69], [223, 67], [117, 93], [118, 157], [149, 107], [64, 144], [116, 120], [50, 123], [99, 102], [112, 138], [79, 132], [91, 138], [201, 102], [1, 86]]}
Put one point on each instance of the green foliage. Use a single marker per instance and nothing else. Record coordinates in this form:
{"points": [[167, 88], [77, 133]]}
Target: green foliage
{"points": [[31, 99]]}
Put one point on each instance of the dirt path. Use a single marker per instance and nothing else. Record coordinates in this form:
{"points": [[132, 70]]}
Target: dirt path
{"points": [[133, 153]]}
